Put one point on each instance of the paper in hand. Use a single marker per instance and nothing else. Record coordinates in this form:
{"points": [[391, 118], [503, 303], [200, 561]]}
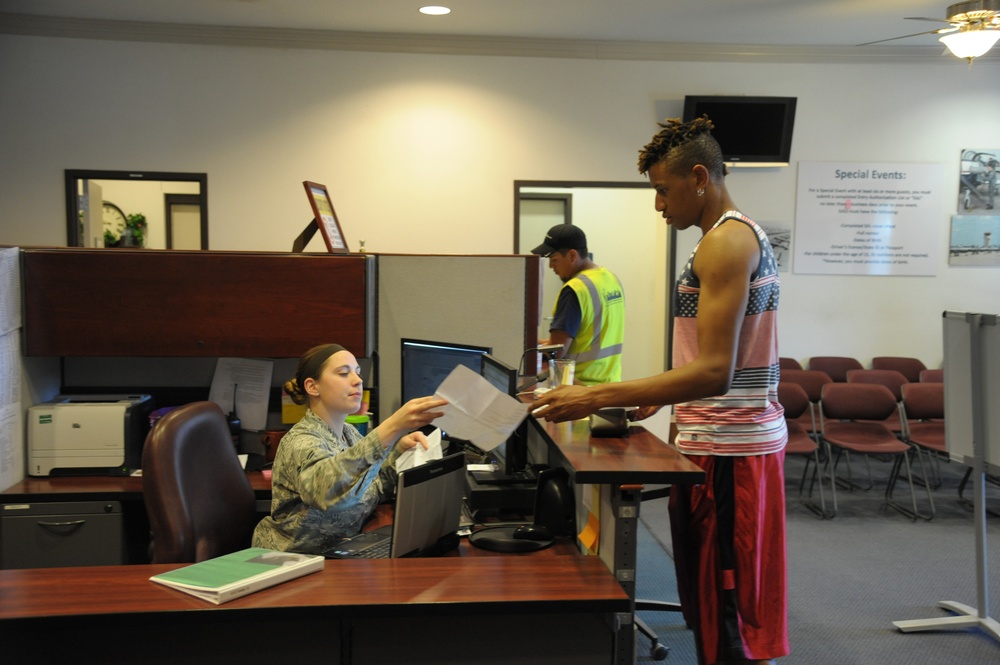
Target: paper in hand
{"points": [[416, 455], [476, 411]]}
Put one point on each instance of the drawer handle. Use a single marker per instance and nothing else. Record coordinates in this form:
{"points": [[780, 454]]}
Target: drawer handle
{"points": [[57, 525]]}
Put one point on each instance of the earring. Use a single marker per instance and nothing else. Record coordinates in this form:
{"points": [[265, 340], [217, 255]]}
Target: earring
{"points": [[701, 192]]}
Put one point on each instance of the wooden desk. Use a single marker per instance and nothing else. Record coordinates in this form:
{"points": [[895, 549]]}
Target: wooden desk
{"points": [[639, 458], [620, 466], [125, 490], [98, 488], [517, 608]]}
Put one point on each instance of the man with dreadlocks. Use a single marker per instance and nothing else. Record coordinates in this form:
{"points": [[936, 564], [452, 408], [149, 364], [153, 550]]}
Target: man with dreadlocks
{"points": [[729, 533]]}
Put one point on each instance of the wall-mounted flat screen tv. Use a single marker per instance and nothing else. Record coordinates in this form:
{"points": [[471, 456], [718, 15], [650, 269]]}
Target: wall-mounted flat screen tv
{"points": [[752, 131]]}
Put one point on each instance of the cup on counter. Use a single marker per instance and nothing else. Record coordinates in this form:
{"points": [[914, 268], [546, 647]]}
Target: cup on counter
{"points": [[360, 422], [561, 372]]}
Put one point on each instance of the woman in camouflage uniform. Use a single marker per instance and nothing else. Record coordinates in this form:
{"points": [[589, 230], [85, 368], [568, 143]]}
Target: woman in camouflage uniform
{"points": [[327, 478]]}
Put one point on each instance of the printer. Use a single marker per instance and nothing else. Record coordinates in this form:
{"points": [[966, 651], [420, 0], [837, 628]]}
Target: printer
{"points": [[77, 435]]}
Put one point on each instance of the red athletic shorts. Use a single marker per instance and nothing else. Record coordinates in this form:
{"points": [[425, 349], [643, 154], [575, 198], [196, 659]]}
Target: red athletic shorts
{"points": [[729, 552]]}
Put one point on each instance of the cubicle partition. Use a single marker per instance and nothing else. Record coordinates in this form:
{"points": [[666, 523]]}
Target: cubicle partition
{"points": [[489, 301], [107, 319]]}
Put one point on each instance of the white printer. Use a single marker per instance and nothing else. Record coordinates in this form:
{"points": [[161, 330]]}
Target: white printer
{"points": [[87, 435]]}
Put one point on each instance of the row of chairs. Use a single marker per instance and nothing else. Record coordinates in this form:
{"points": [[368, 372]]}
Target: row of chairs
{"points": [[873, 413], [837, 367]]}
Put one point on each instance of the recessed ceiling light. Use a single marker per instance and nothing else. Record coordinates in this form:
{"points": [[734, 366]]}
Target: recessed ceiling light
{"points": [[435, 10]]}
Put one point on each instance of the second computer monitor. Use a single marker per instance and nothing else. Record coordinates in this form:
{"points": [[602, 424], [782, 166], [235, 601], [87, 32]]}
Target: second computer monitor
{"points": [[425, 364], [512, 454]]}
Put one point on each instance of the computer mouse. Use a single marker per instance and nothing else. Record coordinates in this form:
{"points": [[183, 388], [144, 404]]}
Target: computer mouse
{"points": [[532, 532]]}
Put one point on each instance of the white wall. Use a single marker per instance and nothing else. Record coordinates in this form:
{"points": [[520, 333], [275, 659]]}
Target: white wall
{"points": [[420, 151]]}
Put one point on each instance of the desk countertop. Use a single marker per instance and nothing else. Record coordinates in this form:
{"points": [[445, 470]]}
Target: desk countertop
{"points": [[639, 458], [361, 587], [95, 488]]}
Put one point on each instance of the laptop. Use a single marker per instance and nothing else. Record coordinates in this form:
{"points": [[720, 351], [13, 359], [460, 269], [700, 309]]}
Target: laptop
{"points": [[428, 512]]}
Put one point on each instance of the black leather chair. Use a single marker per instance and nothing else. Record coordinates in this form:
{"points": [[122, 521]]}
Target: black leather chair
{"points": [[197, 495]]}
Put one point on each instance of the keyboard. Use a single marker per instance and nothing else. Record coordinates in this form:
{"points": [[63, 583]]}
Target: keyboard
{"points": [[379, 550], [375, 544]]}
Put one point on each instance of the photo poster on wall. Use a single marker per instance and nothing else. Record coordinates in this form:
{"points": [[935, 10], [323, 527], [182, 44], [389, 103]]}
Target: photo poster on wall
{"points": [[856, 218], [977, 182], [779, 234], [975, 240]]}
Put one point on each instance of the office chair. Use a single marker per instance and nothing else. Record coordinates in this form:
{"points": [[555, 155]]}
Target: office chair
{"points": [[198, 498]]}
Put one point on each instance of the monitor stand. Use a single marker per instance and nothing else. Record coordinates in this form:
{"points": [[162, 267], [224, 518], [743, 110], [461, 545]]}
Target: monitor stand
{"points": [[502, 538]]}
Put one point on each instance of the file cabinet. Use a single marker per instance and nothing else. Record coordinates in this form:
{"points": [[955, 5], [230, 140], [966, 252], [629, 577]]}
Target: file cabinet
{"points": [[55, 534]]}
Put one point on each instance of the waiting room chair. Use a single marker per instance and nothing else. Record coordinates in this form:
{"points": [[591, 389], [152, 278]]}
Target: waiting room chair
{"points": [[932, 376], [892, 380], [795, 401], [923, 407], [836, 366], [851, 423], [788, 363], [199, 500], [908, 367], [812, 381]]}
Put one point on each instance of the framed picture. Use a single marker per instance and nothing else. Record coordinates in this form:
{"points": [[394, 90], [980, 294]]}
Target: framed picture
{"points": [[326, 218]]}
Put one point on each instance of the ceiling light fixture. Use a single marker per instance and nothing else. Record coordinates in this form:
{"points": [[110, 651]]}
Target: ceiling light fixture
{"points": [[971, 43], [435, 10]]}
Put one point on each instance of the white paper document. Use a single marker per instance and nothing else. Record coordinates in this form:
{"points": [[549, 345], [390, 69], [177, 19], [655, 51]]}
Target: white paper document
{"points": [[417, 455], [243, 385], [476, 411], [10, 289]]}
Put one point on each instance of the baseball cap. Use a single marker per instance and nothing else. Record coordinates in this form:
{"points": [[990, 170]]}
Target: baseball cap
{"points": [[562, 237]]}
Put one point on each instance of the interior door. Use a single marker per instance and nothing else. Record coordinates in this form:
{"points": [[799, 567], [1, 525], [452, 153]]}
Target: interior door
{"points": [[538, 215]]}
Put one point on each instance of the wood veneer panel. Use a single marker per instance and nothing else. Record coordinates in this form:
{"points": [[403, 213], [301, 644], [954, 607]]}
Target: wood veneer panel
{"points": [[496, 584], [80, 302], [639, 458]]}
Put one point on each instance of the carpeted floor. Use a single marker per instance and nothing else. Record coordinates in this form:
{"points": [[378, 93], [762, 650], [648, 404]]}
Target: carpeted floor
{"points": [[850, 577]]}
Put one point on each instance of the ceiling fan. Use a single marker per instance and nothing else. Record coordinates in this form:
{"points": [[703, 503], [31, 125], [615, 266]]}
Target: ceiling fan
{"points": [[974, 21]]}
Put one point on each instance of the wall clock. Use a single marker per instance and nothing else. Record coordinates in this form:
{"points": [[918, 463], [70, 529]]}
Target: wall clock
{"points": [[114, 219]]}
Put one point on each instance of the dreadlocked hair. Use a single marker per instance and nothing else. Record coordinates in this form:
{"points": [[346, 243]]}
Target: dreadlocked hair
{"points": [[682, 145]]}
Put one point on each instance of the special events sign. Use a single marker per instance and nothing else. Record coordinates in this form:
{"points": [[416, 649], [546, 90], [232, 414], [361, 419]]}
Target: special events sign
{"points": [[867, 219]]}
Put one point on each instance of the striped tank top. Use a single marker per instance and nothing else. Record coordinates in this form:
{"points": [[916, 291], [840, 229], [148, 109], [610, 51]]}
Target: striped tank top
{"points": [[747, 420]]}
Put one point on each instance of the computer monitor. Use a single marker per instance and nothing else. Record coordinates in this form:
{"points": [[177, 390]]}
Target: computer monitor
{"points": [[511, 455], [425, 364]]}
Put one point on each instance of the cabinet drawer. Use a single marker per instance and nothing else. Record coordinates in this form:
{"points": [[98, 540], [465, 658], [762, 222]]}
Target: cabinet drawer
{"points": [[47, 535]]}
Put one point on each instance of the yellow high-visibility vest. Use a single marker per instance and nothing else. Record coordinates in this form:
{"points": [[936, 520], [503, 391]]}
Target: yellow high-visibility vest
{"points": [[597, 347]]}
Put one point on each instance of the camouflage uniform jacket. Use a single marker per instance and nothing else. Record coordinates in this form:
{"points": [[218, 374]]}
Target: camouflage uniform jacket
{"points": [[324, 486]]}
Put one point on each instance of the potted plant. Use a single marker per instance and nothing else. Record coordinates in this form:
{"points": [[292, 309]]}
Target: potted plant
{"points": [[135, 230]]}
